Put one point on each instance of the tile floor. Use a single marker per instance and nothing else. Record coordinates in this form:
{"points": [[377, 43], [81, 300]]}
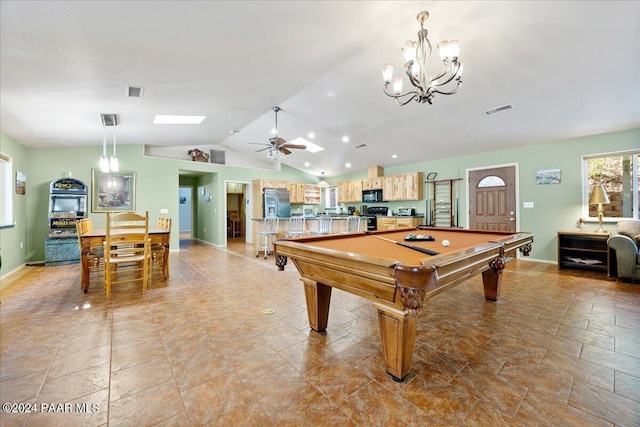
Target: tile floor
{"points": [[559, 348]]}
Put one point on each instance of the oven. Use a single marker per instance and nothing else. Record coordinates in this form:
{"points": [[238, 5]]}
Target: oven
{"points": [[372, 223]]}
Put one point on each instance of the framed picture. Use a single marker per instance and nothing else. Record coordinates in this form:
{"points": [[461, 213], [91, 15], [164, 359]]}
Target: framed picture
{"points": [[548, 176], [113, 191]]}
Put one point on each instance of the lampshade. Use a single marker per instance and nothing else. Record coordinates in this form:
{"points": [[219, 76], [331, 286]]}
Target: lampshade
{"points": [[323, 183], [598, 195]]}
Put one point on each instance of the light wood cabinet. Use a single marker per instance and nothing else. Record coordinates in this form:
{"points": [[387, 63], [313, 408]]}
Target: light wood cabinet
{"points": [[372, 183], [407, 186], [387, 223], [350, 191], [235, 188], [312, 194], [296, 192], [392, 223], [413, 186]]}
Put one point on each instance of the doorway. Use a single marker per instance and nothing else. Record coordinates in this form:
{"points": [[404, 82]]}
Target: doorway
{"points": [[493, 194], [237, 212], [185, 212]]}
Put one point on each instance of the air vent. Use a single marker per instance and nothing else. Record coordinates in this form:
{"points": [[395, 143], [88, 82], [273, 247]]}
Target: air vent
{"points": [[134, 91], [360, 146], [217, 157], [499, 110], [109, 119]]}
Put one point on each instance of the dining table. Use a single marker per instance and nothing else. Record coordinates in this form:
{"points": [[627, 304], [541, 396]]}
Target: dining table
{"points": [[95, 239]]}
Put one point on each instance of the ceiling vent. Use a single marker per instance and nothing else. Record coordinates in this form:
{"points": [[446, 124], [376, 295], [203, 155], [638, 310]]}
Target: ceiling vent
{"points": [[360, 146], [134, 91], [109, 119], [217, 156], [497, 110]]}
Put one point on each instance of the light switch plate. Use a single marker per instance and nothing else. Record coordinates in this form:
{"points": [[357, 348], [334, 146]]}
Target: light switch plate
{"points": [[527, 204], [164, 210]]}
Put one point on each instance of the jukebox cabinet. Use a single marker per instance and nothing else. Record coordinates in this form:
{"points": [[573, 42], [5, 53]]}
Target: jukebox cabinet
{"points": [[67, 204]]}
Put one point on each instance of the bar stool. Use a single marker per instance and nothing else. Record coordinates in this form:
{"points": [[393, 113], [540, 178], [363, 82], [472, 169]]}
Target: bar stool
{"points": [[236, 225], [267, 235], [296, 227]]}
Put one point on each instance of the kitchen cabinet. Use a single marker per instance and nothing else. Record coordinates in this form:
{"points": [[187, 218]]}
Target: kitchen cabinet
{"points": [[296, 192], [394, 222], [312, 194], [235, 188], [350, 191], [413, 186], [372, 183]]}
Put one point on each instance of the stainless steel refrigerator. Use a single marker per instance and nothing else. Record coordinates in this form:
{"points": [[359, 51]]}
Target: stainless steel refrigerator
{"points": [[276, 202]]}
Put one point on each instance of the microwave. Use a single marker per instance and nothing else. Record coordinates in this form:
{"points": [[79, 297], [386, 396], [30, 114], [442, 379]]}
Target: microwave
{"points": [[371, 196]]}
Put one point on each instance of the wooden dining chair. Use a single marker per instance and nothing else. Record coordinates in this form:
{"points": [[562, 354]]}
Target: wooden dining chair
{"points": [[127, 250], [95, 256], [158, 249]]}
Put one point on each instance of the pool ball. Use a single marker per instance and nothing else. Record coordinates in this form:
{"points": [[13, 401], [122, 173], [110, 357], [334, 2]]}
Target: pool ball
{"points": [[445, 243]]}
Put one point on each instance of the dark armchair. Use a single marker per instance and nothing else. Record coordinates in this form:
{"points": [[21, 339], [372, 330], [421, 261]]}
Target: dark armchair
{"points": [[625, 245]]}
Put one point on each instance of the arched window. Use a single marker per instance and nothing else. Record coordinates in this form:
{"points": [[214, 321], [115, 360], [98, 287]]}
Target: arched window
{"points": [[491, 181]]}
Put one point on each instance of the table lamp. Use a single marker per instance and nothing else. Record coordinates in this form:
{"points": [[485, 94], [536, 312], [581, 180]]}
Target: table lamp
{"points": [[599, 197]]}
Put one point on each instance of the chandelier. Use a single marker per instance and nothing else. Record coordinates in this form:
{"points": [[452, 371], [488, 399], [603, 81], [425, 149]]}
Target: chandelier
{"points": [[416, 54]]}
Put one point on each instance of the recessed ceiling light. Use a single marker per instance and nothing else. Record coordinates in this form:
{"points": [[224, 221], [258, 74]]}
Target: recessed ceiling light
{"points": [[178, 120], [311, 135], [234, 131], [307, 164], [274, 131], [348, 165], [394, 156], [345, 138], [310, 146]]}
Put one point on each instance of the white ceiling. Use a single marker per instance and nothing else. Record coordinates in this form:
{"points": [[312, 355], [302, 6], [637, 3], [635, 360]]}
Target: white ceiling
{"points": [[569, 68]]}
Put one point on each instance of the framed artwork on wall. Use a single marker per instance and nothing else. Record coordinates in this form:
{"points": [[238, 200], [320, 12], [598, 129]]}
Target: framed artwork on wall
{"points": [[113, 191]]}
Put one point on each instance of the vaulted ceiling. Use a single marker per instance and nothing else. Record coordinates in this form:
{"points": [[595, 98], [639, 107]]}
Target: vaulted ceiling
{"points": [[569, 68]]}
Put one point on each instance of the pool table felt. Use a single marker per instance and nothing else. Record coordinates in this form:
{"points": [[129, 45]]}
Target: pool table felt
{"points": [[368, 245]]}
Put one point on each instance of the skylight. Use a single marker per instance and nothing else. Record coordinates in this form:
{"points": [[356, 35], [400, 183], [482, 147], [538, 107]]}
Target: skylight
{"points": [[178, 120], [310, 145]]}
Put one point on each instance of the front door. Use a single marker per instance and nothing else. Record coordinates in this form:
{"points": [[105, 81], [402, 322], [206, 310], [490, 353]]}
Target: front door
{"points": [[492, 199]]}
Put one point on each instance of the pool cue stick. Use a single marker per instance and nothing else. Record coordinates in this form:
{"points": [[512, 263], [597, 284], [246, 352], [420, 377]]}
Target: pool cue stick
{"points": [[406, 245]]}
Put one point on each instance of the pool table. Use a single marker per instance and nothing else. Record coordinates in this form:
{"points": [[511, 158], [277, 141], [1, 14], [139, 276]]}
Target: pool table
{"points": [[376, 265]]}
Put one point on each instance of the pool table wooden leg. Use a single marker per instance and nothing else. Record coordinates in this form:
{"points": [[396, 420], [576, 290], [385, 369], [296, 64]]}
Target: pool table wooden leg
{"points": [[318, 297], [398, 333], [492, 278]]}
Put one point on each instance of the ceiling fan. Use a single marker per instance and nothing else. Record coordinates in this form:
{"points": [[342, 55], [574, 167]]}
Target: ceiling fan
{"points": [[277, 146]]}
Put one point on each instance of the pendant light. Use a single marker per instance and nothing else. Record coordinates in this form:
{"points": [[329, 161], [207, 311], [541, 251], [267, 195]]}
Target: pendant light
{"points": [[323, 183], [113, 162], [104, 162]]}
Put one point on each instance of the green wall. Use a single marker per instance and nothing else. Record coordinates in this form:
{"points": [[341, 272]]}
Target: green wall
{"points": [[13, 256], [557, 207]]}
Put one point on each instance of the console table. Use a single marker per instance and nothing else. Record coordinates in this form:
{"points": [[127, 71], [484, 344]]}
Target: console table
{"points": [[583, 249]]}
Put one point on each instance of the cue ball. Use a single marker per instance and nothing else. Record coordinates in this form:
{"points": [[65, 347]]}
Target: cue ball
{"points": [[445, 243]]}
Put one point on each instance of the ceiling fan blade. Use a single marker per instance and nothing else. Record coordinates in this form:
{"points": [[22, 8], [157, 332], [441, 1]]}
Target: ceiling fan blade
{"points": [[294, 146], [259, 143], [284, 150], [262, 149], [278, 141]]}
